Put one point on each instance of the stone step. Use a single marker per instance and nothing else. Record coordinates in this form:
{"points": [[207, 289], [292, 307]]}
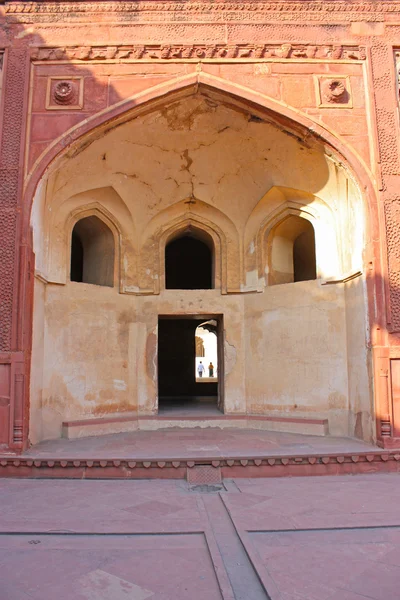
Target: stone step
{"points": [[118, 423]]}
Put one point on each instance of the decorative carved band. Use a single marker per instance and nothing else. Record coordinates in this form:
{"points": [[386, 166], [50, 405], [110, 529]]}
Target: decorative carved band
{"points": [[199, 52], [269, 7], [124, 467], [10, 149]]}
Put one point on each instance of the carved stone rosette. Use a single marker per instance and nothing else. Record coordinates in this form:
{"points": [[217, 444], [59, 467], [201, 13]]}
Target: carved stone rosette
{"points": [[64, 93], [333, 91]]}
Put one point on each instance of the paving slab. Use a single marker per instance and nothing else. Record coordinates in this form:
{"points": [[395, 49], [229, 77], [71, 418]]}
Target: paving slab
{"points": [[310, 538]]}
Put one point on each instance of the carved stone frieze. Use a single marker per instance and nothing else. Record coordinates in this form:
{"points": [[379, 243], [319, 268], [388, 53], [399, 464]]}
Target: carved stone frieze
{"points": [[339, 6], [199, 52]]}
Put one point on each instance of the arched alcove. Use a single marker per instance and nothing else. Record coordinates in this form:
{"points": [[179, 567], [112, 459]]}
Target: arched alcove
{"points": [[277, 357], [92, 252], [292, 251], [189, 262]]}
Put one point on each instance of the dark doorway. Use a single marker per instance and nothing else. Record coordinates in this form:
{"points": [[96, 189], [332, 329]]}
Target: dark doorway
{"points": [[179, 390], [76, 257], [189, 264], [304, 262]]}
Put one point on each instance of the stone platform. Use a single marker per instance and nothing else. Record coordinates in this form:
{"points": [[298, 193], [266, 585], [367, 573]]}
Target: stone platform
{"points": [[190, 419], [202, 455]]}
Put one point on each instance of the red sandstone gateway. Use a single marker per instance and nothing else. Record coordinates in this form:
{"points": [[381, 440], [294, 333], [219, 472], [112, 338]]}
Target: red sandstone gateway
{"points": [[196, 181]]}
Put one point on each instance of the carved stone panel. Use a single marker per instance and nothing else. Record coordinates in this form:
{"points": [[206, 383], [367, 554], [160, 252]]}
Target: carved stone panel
{"points": [[64, 93], [333, 91]]}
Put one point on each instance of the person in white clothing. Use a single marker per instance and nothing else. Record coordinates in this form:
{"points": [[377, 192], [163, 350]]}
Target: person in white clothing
{"points": [[200, 369]]}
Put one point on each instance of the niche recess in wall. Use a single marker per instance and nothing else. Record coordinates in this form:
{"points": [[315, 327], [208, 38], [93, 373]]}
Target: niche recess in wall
{"points": [[92, 252], [189, 262], [292, 251]]}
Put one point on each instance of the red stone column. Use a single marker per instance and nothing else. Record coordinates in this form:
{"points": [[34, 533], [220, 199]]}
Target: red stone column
{"points": [[15, 267]]}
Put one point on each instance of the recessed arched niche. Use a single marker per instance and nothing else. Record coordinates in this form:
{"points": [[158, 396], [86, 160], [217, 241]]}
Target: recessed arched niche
{"points": [[189, 261], [92, 252], [292, 251]]}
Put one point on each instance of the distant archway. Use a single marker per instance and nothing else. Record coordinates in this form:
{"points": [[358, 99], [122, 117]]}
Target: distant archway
{"points": [[206, 338]]}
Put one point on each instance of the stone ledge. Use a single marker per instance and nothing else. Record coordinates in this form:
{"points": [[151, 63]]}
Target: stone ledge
{"points": [[122, 423], [176, 468]]}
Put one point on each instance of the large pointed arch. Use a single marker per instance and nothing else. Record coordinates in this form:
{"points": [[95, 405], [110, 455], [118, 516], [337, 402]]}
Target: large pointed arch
{"points": [[184, 86], [300, 124], [288, 120]]}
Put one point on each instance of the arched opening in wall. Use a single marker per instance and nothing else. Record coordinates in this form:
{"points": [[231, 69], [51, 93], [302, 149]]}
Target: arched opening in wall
{"points": [[207, 359], [189, 262], [92, 252], [292, 251], [252, 374], [189, 365]]}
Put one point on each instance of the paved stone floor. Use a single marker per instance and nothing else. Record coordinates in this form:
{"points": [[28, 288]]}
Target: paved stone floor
{"points": [[187, 443], [309, 538]]}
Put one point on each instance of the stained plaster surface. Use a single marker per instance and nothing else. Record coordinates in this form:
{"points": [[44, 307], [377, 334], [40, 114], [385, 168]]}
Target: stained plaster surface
{"points": [[276, 539]]}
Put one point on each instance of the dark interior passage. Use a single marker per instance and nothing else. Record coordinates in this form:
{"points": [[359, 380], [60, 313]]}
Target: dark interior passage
{"points": [[304, 261], [188, 264], [76, 257], [176, 363]]}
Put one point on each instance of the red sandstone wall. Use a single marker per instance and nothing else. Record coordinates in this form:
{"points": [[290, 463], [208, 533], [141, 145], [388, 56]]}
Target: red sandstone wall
{"points": [[107, 52]]}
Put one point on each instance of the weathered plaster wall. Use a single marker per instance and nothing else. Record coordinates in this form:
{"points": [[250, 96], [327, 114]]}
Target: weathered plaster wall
{"points": [[360, 391], [216, 167], [88, 363], [296, 349], [38, 429]]}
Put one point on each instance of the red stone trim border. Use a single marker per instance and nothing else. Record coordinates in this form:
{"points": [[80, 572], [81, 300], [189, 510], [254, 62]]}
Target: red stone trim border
{"points": [[126, 468]]}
